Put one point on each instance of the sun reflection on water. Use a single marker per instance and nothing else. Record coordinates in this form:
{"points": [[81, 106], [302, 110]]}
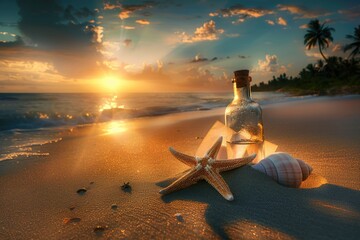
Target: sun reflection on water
{"points": [[115, 127], [110, 103]]}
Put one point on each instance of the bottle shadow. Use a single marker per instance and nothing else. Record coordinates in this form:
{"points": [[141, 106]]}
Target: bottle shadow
{"points": [[325, 212]]}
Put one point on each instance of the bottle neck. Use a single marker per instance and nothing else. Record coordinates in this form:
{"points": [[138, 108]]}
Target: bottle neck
{"points": [[242, 93]]}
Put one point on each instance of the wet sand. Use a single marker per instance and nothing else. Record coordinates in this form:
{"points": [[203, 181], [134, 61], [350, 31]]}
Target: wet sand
{"points": [[39, 198]]}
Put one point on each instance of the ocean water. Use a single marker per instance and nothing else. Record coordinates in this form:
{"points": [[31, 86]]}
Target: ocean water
{"points": [[29, 120]]}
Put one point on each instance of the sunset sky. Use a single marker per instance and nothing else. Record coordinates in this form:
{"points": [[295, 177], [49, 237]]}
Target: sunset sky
{"points": [[159, 45]]}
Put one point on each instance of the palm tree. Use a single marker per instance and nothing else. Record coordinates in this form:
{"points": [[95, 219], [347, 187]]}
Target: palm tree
{"points": [[355, 44], [318, 34]]}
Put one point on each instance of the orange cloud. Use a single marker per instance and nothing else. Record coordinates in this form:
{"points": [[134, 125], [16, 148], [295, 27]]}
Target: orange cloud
{"points": [[301, 12], [313, 54], [142, 22], [127, 27], [242, 13], [109, 6], [24, 75], [251, 12], [270, 22], [207, 32], [98, 30], [127, 10], [336, 47], [282, 21], [124, 14]]}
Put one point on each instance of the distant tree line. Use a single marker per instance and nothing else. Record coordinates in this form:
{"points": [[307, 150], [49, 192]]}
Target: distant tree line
{"points": [[333, 75]]}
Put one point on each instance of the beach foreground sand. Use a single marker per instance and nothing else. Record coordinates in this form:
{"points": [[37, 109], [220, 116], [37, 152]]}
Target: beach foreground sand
{"points": [[39, 198]]}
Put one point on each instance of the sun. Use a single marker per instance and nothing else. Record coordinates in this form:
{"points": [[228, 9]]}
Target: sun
{"points": [[111, 82]]}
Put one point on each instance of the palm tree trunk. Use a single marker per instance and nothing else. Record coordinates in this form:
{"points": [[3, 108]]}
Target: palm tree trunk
{"points": [[322, 53]]}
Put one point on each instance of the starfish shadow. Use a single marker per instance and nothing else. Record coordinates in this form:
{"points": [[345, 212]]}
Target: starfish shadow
{"points": [[326, 212]]}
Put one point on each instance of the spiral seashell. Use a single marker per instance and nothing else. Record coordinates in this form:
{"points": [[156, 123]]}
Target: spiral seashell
{"points": [[284, 169]]}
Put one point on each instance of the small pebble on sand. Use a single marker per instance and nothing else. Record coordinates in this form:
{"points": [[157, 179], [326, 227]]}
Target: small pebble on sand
{"points": [[71, 220], [114, 207], [126, 187], [179, 217], [81, 191], [99, 230]]}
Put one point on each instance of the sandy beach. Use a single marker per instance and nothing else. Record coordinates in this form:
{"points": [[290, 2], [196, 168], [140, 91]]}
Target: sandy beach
{"points": [[39, 198]]}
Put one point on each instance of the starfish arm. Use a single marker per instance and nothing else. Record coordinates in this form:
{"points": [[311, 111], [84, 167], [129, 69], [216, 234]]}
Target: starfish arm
{"points": [[188, 160], [186, 180], [215, 179], [225, 165], [213, 151]]}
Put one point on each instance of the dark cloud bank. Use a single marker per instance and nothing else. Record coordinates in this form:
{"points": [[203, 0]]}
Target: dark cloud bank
{"points": [[58, 34]]}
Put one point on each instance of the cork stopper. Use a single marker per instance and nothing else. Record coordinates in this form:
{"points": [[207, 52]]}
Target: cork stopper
{"points": [[241, 78]]}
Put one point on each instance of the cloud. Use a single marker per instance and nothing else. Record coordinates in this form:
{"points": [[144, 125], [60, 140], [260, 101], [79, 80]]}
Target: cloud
{"points": [[241, 12], [132, 68], [337, 47], [73, 14], [301, 12], [7, 33], [128, 10], [127, 27], [97, 33], [51, 26], [124, 14], [281, 21], [142, 22], [270, 22], [313, 54], [180, 76], [199, 58], [30, 66], [59, 35], [110, 6], [304, 26], [199, 78], [238, 21], [127, 42], [352, 13], [27, 75], [5, 45], [207, 32], [269, 64]]}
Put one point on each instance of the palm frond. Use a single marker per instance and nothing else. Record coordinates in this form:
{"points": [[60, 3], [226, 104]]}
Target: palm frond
{"points": [[318, 34], [354, 45]]}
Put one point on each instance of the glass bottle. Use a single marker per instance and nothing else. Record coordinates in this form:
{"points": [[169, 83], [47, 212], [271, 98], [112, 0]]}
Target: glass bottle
{"points": [[243, 116]]}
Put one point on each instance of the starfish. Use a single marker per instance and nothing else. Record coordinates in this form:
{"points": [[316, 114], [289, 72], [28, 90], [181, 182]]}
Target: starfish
{"points": [[207, 168]]}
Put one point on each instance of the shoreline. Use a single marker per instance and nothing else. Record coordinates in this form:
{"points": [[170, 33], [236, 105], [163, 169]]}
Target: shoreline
{"points": [[64, 131]]}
